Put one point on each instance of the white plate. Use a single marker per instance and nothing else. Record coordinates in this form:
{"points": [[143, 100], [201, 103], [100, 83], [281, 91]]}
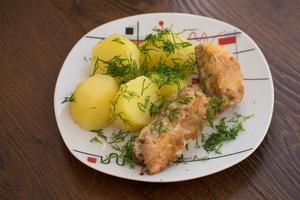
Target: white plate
{"points": [[258, 98]]}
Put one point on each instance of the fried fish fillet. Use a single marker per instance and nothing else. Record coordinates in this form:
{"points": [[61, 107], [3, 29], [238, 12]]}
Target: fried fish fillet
{"points": [[162, 141], [220, 74]]}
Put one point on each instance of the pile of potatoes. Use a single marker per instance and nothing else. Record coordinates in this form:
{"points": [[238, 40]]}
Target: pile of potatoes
{"points": [[118, 91]]}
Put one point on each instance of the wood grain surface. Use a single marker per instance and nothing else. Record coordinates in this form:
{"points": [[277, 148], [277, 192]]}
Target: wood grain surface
{"points": [[35, 38]]}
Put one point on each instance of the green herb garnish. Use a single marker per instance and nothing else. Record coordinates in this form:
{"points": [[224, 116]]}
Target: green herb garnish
{"points": [[184, 100], [160, 128], [119, 136], [100, 134], [144, 106], [173, 114], [213, 107], [69, 99], [95, 139], [123, 68], [118, 40], [115, 114], [164, 75], [225, 130], [126, 151]]}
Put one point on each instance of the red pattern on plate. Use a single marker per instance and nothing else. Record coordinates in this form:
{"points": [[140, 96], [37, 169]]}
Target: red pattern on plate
{"points": [[227, 40], [161, 23], [91, 159]]}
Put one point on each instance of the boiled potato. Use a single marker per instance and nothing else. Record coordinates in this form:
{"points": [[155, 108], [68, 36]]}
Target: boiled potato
{"points": [[130, 107], [116, 56], [171, 50], [172, 88], [167, 86], [92, 97]]}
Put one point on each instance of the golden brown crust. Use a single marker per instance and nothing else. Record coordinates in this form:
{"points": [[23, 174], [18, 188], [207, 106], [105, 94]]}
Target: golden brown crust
{"points": [[220, 74], [158, 150]]}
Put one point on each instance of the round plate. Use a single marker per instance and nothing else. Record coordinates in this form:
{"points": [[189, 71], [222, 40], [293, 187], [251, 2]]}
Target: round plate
{"points": [[258, 98]]}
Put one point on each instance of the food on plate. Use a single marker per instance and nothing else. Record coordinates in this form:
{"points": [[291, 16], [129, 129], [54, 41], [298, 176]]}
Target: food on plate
{"points": [[163, 140], [117, 56], [130, 107], [172, 88], [220, 74], [168, 80], [91, 101], [166, 47], [146, 89]]}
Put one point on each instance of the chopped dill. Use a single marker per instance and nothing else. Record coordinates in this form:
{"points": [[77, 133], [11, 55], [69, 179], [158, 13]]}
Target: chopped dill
{"points": [[96, 66], [115, 114], [213, 107], [155, 109], [225, 130], [145, 105], [95, 140], [123, 68], [186, 146], [160, 128], [164, 75], [184, 100], [127, 94], [119, 136], [180, 159], [118, 40], [145, 87], [169, 47], [173, 114], [69, 99], [100, 134], [126, 151], [161, 39]]}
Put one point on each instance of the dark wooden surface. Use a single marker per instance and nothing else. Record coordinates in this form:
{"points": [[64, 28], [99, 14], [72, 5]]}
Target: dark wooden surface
{"points": [[36, 36]]}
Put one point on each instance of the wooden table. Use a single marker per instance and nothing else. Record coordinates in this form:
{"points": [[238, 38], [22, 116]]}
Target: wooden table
{"points": [[36, 36]]}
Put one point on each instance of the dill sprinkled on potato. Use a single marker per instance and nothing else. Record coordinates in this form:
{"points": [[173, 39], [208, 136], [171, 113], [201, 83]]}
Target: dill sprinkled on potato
{"points": [[115, 114], [162, 39], [144, 106], [118, 40], [144, 87], [164, 75], [118, 67]]}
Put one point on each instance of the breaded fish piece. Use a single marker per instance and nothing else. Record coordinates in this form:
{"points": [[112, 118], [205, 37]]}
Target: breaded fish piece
{"points": [[162, 141], [220, 74]]}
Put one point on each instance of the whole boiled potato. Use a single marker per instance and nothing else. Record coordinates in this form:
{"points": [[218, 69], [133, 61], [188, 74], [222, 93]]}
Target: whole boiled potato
{"points": [[117, 56], [91, 104], [130, 107], [170, 49]]}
